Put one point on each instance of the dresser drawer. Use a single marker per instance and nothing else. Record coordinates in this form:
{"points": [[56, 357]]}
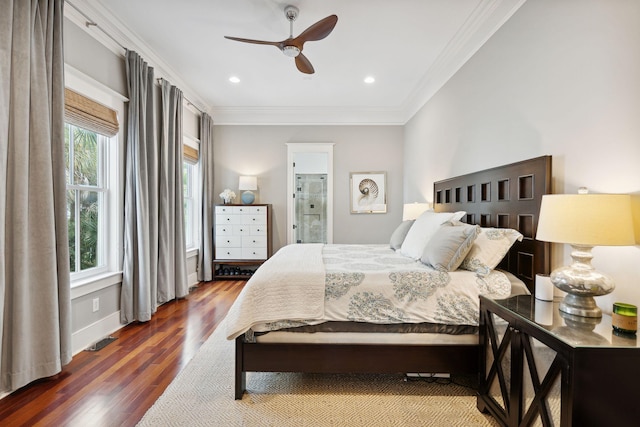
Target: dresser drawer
{"points": [[224, 210], [228, 241], [254, 253], [254, 241], [255, 219], [254, 210], [228, 253], [258, 230], [242, 230], [242, 210], [224, 230], [228, 219]]}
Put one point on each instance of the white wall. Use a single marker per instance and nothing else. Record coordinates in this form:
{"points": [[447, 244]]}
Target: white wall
{"points": [[262, 151], [559, 78]]}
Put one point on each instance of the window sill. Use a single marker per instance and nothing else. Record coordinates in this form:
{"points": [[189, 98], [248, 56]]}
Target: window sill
{"points": [[192, 252], [95, 283]]}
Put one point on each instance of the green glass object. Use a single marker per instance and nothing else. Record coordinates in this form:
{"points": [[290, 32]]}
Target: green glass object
{"points": [[624, 318]]}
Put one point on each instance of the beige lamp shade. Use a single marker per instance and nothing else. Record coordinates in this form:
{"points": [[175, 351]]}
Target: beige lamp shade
{"points": [[413, 210], [586, 219], [248, 183]]}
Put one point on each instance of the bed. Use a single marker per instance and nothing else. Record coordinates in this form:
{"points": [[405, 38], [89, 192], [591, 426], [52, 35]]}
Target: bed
{"points": [[505, 199]]}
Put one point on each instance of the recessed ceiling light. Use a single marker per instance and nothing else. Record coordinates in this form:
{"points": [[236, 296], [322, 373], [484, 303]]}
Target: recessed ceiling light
{"points": [[234, 79], [369, 79]]}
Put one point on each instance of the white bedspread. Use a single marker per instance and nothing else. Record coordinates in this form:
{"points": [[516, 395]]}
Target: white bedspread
{"points": [[289, 285], [311, 283], [374, 284]]}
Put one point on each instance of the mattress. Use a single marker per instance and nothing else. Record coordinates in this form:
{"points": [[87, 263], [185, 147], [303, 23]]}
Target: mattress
{"points": [[377, 263]]}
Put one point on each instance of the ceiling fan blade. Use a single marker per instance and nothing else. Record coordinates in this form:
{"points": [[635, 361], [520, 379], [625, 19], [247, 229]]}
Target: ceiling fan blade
{"points": [[303, 64], [319, 30], [238, 39]]}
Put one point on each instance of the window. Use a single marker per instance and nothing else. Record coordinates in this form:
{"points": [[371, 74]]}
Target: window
{"points": [[94, 148], [85, 161], [189, 177]]}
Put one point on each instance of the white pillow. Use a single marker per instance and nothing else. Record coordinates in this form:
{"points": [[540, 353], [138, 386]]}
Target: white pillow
{"points": [[423, 229], [450, 245], [399, 234], [491, 245]]}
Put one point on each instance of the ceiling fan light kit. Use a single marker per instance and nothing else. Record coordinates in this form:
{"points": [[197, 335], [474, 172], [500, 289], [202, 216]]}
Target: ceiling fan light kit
{"points": [[291, 51], [292, 47]]}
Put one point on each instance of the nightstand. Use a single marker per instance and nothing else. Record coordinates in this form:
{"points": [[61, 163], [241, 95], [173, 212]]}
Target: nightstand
{"points": [[541, 367]]}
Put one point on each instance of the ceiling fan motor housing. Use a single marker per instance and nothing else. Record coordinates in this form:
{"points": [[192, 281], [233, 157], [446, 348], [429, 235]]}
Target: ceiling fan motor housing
{"points": [[291, 12]]}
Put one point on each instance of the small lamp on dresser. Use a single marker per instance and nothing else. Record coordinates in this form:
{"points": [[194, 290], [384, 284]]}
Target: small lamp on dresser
{"points": [[584, 221], [248, 184]]}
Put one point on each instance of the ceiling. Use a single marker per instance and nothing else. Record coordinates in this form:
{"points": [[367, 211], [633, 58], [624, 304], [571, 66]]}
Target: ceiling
{"points": [[410, 47]]}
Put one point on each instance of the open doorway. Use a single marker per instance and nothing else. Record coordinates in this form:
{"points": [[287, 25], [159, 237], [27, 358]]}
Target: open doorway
{"points": [[310, 181]]}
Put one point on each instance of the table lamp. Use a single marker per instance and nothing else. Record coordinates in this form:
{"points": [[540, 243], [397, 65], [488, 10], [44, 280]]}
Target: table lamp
{"points": [[248, 184], [584, 221], [413, 210]]}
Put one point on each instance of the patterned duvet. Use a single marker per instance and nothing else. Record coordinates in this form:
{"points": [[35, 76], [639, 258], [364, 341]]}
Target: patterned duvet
{"points": [[374, 284]]}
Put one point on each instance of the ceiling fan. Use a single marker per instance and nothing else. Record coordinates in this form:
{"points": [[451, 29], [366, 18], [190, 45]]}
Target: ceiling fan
{"points": [[292, 46]]}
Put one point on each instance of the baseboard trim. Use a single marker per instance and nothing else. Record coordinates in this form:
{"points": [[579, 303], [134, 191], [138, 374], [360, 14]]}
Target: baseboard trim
{"points": [[192, 279], [88, 335]]}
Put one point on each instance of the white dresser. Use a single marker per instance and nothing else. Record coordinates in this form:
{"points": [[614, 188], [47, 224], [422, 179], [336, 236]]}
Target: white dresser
{"points": [[242, 238]]}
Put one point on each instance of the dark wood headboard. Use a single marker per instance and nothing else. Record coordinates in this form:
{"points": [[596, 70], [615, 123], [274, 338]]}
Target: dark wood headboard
{"points": [[506, 197]]}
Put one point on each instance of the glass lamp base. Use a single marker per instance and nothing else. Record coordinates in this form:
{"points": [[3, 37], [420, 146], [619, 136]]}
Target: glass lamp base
{"points": [[578, 305], [581, 282]]}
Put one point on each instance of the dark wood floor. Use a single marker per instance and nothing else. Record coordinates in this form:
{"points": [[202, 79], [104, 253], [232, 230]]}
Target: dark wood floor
{"points": [[116, 385]]}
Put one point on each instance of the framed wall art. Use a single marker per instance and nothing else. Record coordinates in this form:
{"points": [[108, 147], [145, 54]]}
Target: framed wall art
{"points": [[368, 192]]}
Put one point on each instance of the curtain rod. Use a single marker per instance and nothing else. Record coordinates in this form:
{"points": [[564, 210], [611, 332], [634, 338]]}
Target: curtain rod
{"points": [[159, 81], [91, 23]]}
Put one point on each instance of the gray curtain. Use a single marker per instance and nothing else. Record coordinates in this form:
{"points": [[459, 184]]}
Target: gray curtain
{"points": [[138, 300], [35, 302], [172, 257], [205, 272], [154, 266]]}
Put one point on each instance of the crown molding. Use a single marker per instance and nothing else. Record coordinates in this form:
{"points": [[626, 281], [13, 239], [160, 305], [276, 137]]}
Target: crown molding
{"points": [[307, 116], [482, 23], [114, 35]]}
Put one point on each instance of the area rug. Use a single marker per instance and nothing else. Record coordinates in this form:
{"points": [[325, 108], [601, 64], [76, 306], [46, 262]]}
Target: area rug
{"points": [[202, 395]]}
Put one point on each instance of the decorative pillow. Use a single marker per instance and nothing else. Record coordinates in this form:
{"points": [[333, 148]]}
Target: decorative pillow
{"points": [[400, 233], [491, 245], [422, 229], [450, 245]]}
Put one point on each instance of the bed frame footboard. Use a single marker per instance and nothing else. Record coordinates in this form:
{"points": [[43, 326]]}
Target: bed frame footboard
{"points": [[351, 358]]}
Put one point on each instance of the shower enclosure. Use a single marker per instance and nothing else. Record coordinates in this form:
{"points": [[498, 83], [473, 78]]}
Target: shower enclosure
{"points": [[310, 179]]}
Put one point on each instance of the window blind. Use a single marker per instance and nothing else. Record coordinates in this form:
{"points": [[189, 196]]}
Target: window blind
{"points": [[190, 153], [88, 114]]}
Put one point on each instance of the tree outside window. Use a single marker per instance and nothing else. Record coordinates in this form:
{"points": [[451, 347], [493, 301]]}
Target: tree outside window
{"points": [[189, 173], [85, 167]]}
